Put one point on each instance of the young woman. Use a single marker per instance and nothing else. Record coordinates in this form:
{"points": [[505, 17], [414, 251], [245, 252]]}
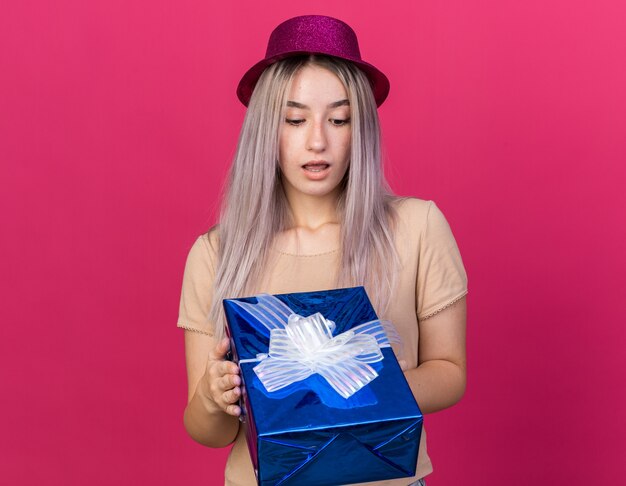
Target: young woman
{"points": [[307, 208]]}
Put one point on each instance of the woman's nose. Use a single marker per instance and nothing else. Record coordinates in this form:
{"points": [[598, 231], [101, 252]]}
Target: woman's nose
{"points": [[316, 139]]}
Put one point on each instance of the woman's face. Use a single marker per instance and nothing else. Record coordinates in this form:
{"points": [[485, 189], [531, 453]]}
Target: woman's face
{"points": [[314, 141]]}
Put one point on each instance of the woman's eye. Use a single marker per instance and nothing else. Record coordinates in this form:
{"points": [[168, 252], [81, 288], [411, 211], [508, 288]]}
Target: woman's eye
{"points": [[294, 122], [338, 122]]}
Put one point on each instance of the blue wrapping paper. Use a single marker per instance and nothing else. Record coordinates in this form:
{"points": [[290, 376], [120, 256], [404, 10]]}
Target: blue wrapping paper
{"points": [[308, 434]]}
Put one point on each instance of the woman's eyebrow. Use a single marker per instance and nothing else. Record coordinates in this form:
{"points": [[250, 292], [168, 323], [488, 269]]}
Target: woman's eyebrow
{"points": [[334, 104]]}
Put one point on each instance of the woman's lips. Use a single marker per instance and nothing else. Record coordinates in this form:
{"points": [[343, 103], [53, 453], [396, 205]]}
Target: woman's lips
{"points": [[316, 170], [316, 167]]}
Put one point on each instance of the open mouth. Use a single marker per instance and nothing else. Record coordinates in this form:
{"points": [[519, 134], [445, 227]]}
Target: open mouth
{"points": [[316, 167]]}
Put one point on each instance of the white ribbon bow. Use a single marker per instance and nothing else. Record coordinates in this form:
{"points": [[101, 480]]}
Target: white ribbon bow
{"points": [[302, 346]]}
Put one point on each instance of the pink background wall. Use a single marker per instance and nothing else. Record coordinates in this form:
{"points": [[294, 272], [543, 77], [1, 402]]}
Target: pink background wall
{"points": [[117, 122]]}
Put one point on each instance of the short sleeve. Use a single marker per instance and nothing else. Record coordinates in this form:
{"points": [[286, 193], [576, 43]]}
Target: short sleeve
{"points": [[197, 288], [441, 276]]}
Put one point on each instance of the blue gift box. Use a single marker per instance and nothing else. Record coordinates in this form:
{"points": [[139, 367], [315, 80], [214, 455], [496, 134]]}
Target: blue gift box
{"points": [[306, 433]]}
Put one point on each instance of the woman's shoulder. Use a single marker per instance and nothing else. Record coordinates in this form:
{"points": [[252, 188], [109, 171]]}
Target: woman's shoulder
{"points": [[210, 239], [205, 247], [411, 212], [417, 218], [407, 205]]}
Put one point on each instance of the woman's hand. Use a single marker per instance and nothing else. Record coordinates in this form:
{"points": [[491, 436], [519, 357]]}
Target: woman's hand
{"points": [[221, 380]]}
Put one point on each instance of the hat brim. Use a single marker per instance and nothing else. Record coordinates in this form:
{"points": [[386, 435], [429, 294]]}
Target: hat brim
{"points": [[378, 81]]}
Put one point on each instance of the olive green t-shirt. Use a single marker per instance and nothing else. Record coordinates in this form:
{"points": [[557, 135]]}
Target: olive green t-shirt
{"points": [[432, 277]]}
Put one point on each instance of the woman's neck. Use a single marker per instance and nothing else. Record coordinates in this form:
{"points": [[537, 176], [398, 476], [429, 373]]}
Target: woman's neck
{"points": [[312, 212]]}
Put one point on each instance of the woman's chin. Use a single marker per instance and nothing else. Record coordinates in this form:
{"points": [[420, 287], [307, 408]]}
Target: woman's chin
{"points": [[317, 190]]}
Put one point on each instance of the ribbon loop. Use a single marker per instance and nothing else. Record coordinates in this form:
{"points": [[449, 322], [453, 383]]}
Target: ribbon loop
{"points": [[302, 346]]}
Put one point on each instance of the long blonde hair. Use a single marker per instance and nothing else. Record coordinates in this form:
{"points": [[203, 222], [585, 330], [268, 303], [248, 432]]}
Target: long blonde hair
{"points": [[255, 209]]}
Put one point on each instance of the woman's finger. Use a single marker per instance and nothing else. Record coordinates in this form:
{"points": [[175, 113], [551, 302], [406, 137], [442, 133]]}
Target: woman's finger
{"points": [[219, 352], [218, 369], [230, 381], [229, 368], [233, 410], [231, 396]]}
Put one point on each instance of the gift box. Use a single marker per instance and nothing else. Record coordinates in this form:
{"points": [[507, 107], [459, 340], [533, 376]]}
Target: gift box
{"points": [[321, 409]]}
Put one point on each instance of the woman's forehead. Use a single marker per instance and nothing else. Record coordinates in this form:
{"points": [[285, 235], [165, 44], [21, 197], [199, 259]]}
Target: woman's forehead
{"points": [[316, 87]]}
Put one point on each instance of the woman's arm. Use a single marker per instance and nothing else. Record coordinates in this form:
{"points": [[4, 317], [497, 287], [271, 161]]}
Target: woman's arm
{"points": [[213, 383], [211, 415], [439, 380]]}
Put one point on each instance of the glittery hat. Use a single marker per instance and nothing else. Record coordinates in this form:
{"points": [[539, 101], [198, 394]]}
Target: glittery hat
{"points": [[313, 34]]}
